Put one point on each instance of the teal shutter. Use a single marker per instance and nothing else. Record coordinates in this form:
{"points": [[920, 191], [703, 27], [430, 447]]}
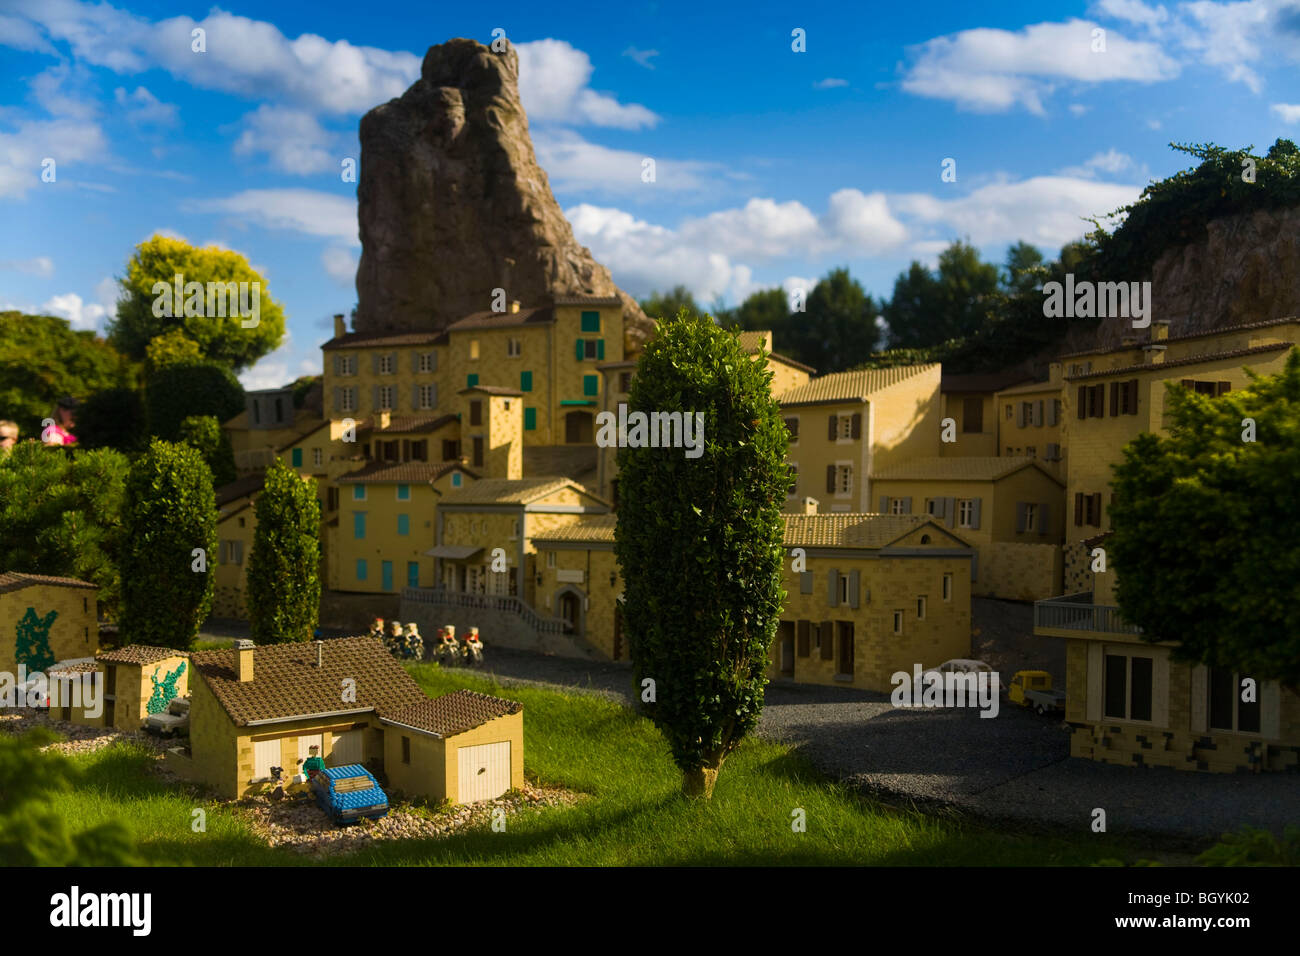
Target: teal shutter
{"points": [[403, 524], [359, 525], [600, 349], [471, 380], [525, 381], [591, 321], [412, 574], [590, 385], [386, 569], [530, 419], [580, 351], [297, 458], [361, 569]]}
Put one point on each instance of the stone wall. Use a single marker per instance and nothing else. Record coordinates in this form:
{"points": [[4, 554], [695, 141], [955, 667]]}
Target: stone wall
{"points": [[1020, 572]]}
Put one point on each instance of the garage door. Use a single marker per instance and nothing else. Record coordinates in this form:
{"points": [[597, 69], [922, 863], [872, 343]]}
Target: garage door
{"points": [[483, 772], [347, 749]]}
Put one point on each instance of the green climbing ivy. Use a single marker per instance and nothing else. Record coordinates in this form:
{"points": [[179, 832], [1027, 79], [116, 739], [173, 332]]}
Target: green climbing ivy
{"points": [[33, 645], [164, 691]]}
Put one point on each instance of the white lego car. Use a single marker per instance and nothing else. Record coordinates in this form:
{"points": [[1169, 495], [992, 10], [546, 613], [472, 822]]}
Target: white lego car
{"points": [[172, 721], [963, 665]]}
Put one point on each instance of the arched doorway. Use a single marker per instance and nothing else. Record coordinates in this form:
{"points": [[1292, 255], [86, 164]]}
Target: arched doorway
{"points": [[569, 604], [579, 428]]}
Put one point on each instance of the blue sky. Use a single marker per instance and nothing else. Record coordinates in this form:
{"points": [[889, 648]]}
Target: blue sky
{"points": [[772, 166]]}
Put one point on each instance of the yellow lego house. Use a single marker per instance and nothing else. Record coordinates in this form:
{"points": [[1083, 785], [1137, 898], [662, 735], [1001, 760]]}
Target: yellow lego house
{"points": [[46, 619]]}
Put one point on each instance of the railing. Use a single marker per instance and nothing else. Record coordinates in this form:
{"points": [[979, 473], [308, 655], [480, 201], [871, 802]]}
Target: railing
{"points": [[1076, 612], [489, 602]]}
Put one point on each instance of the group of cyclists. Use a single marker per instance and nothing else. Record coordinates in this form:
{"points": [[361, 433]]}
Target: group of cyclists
{"points": [[407, 644]]}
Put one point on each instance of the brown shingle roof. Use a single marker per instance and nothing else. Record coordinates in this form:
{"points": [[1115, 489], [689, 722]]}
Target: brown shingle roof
{"points": [[850, 386], [511, 491], [1192, 360], [407, 472], [587, 528], [503, 320], [584, 298], [17, 580], [1028, 387], [240, 488], [139, 654], [491, 390], [836, 530], [287, 683], [453, 713], [377, 339], [405, 424], [974, 468]]}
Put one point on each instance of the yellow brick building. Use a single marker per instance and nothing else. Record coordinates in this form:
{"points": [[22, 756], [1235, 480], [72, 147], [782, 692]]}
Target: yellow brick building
{"points": [[1010, 509], [269, 422], [236, 522], [970, 401], [579, 581], [848, 425], [1030, 422], [140, 680], [62, 613]]}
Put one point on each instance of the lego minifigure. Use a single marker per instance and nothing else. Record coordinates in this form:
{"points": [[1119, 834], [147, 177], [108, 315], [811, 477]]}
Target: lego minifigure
{"points": [[414, 643], [474, 647], [313, 764]]}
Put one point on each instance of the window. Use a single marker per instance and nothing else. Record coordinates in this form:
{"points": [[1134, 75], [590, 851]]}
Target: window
{"points": [[590, 385], [403, 525], [844, 594], [473, 349], [386, 396], [406, 750], [455, 479], [471, 379], [1211, 389], [361, 569], [920, 609], [514, 348], [514, 530], [845, 430], [972, 415], [348, 399], [347, 365], [331, 499], [1030, 519], [233, 552], [426, 362], [898, 622], [1092, 401], [358, 492], [530, 419], [1026, 416], [965, 512], [525, 381], [358, 525], [403, 492], [476, 412], [591, 349], [792, 426], [386, 365], [478, 451], [427, 396], [947, 587], [1031, 451], [843, 479], [934, 507], [317, 457], [550, 559], [1087, 509], [1128, 687], [296, 456], [1226, 710], [1010, 412], [897, 506], [803, 641]]}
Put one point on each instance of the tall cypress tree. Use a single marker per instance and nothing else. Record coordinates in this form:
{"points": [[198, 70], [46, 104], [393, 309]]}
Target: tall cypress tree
{"points": [[284, 566]]}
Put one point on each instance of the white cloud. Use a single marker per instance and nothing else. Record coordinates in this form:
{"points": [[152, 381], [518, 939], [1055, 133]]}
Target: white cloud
{"points": [[41, 266], [292, 139], [1112, 162], [340, 265], [142, 108], [1078, 109], [66, 141], [862, 223], [81, 315], [992, 70], [22, 35], [1133, 11], [572, 163], [306, 211], [65, 91], [106, 292], [1287, 112], [267, 373], [553, 79], [829, 83], [642, 57], [1229, 36]]}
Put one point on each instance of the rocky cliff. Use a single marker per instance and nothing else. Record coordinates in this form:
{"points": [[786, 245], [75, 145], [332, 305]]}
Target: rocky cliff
{"points": [[452, 203]]}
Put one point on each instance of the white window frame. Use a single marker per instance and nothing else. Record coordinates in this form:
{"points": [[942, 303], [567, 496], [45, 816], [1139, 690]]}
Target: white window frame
{"points": [[965, 512], [550, 559], [844, 431], [896, 506], [426, 397], [425, 363], [317, 457], [514, 348], [348, 365], [386, 365], [844, 590], [348, 399], [387, 397], [843, 478]]}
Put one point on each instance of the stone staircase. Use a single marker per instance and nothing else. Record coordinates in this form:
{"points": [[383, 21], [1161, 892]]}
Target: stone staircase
{"points": [[504, 621]]}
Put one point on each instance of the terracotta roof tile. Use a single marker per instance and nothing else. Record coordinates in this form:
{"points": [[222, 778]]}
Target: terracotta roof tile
{"points": [[587, 528], [407, 472], [837, 530], [287, 683], [1177, 363], [17, 580], [492, 390], [850, 386], [453, 713], [404, 425], [503, 320], [139, 654], [511, 491], [378, 339], [1224, 330], [953, 469]]}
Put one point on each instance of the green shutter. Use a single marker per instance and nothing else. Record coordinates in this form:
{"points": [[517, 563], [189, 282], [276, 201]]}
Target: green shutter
{"points": [[403, 524], [471, 380], [580, 352], [297, 458], [591, 321], [600, 349], [525, 381], [530, 419], [590, 385]]}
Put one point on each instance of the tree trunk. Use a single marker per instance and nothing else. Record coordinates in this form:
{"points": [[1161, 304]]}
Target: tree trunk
{"points": [[699, 783]]}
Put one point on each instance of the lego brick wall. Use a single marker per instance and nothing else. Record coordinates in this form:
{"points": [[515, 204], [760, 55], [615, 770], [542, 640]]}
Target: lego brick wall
{"points": [[1019, 572], [72, 632]]}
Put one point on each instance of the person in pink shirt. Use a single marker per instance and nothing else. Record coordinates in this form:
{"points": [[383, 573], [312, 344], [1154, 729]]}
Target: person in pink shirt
{"points": [[65, 419]]}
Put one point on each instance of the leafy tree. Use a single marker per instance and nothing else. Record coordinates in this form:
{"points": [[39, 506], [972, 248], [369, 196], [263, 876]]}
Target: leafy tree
{"points": [[761, 310], [34, 834], [203, 433], [42, 359], [283, 569], [171, 348], [113, 418], [665, 305], [175, 392], [930, 307], [222, 339], [699, 543], [61, 516], [1204, 539], [1023, 264], [170, 510]]}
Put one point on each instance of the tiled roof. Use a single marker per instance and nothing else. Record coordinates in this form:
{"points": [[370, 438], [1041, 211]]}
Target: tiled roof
{"points": [[240, 488], [405, 424], [850, 386], [453, 713], [491, 390], [378, 339], [1225, 330], [836, 530], [1191, 360], [582, 298], [750, 341], [586, 528], [139, 654], [786, 360], [303, 437], [80, 667], [503, 320], [407, 472], [509, 491], [287, 683], [17, 580], [953, 469]]}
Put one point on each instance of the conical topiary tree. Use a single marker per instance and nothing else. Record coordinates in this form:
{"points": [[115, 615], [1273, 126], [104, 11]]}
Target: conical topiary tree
{"points": [[699, 541], [284, 566]]}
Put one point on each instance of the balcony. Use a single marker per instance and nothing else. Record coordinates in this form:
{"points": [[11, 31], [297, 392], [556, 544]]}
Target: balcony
{"points": [[1074, 615]]}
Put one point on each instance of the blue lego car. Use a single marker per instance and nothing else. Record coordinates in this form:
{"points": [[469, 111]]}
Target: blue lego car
{"points": [[349, 793]]}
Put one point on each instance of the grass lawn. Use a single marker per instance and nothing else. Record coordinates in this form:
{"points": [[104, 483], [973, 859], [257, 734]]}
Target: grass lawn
{"points": [[635, 815]]}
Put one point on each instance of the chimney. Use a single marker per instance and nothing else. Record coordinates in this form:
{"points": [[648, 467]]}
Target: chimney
{"points": [[1154, 354], [809, 506], [340, 329], [244, 659], [514, 305], [320, 653], [1159, 330], [382, 419]]}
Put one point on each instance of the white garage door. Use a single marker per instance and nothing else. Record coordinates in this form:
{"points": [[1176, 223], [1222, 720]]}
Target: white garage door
{"points": [[347, 749], [483, 772], [266, 754]]}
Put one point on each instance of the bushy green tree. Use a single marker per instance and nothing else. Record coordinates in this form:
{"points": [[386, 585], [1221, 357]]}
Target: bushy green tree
{"points": [[203, 433], [284, 566], [42, 359], [665, 305], [170, 511], [221, 339], [177, 391], [931, 307], [1205, 543], [762, 310], [113, 418], [62, 516], [699, 543]]}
